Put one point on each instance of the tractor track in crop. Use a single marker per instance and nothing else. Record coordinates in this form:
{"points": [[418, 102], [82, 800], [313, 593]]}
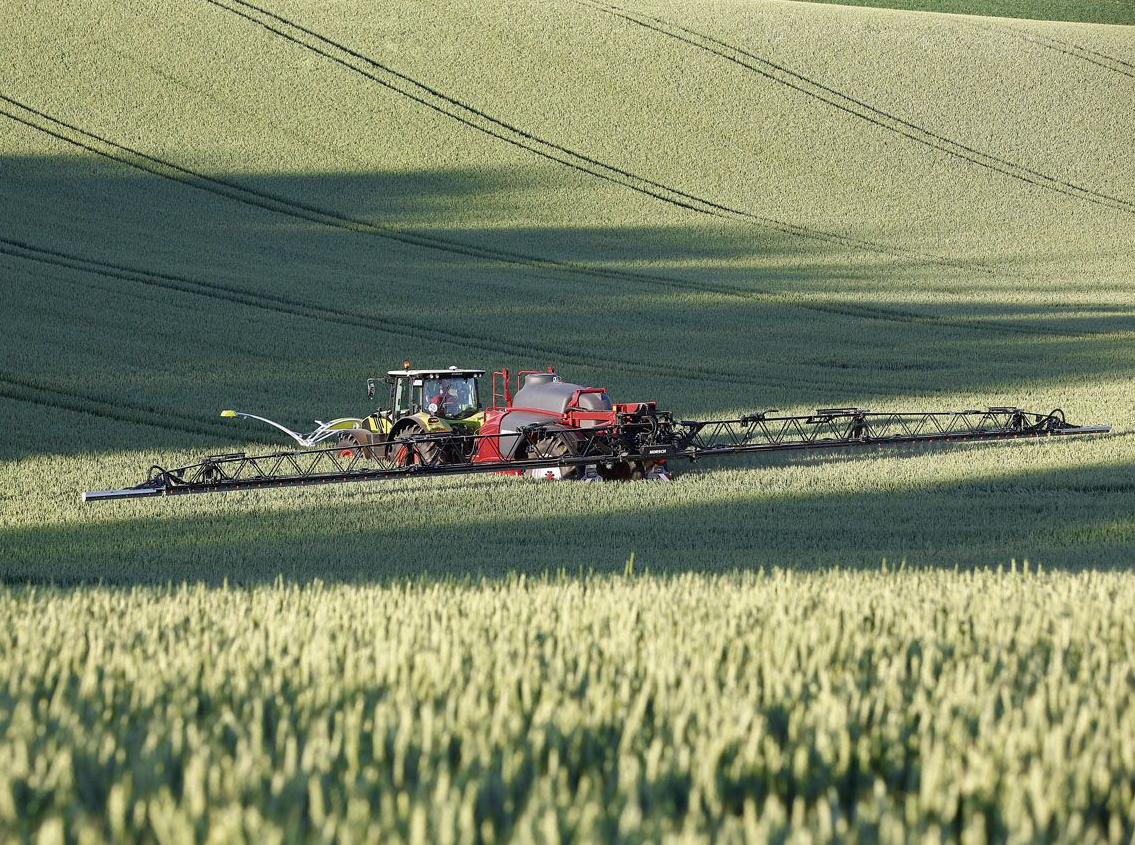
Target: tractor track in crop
{"points": [[1067, 48], [874, 312], [299, 308], [474, 118], [270, 302], [235, 191], [232, 190], [862, 110], [31, 392]]}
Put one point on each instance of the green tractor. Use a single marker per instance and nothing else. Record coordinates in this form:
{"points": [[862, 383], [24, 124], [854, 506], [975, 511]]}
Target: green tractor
{"points": [[421, 402], [431, 401]]}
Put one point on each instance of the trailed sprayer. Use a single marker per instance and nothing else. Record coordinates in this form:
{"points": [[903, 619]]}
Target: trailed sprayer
{"points": [[435, 422]]}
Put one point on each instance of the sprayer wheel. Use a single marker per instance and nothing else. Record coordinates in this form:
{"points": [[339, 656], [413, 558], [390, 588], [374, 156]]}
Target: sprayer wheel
{"points": [[551, 446]]}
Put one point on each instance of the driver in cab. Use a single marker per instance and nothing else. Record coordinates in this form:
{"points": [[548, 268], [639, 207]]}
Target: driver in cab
{"points": [[445, 400]]}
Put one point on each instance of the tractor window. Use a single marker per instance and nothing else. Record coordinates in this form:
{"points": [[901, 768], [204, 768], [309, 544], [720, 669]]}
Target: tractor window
{"points": [[402, 396], [451, 396]]}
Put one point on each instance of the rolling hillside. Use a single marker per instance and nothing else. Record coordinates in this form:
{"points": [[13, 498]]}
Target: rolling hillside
{"points": [[723, 208]]}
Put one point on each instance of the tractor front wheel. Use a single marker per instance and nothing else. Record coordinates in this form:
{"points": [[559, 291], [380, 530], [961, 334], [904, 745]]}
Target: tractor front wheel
{"points": [[359, 442]]}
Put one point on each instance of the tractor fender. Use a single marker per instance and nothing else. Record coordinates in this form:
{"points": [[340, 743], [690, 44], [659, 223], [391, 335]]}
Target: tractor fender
{"points": [[426, 423]]}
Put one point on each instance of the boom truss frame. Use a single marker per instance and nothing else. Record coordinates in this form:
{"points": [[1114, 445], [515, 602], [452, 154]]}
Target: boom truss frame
{"points": [[632, 439]]}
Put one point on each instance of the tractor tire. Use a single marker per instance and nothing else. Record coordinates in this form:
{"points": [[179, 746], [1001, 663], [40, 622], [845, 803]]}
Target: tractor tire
{"points": [[428, 454], [634, 471], [363, 443]]}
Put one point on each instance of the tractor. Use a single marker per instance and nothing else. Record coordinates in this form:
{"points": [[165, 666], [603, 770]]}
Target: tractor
{"points": [[545, 418], [421, 402]]}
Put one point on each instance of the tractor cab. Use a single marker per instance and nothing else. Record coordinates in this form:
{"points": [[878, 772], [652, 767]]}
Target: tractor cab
{"points": [[437, 396]]}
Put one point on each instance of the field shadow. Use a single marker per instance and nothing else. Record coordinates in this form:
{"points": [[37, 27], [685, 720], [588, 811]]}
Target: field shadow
{"points": [[1060, 519], [138, 308]]}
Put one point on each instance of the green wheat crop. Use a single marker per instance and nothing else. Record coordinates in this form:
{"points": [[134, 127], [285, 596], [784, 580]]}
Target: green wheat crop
{"points": [[719, 207], [889, 707]]}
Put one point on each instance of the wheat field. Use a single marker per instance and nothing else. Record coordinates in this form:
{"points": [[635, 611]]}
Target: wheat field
{"points": [[723, 207]]}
